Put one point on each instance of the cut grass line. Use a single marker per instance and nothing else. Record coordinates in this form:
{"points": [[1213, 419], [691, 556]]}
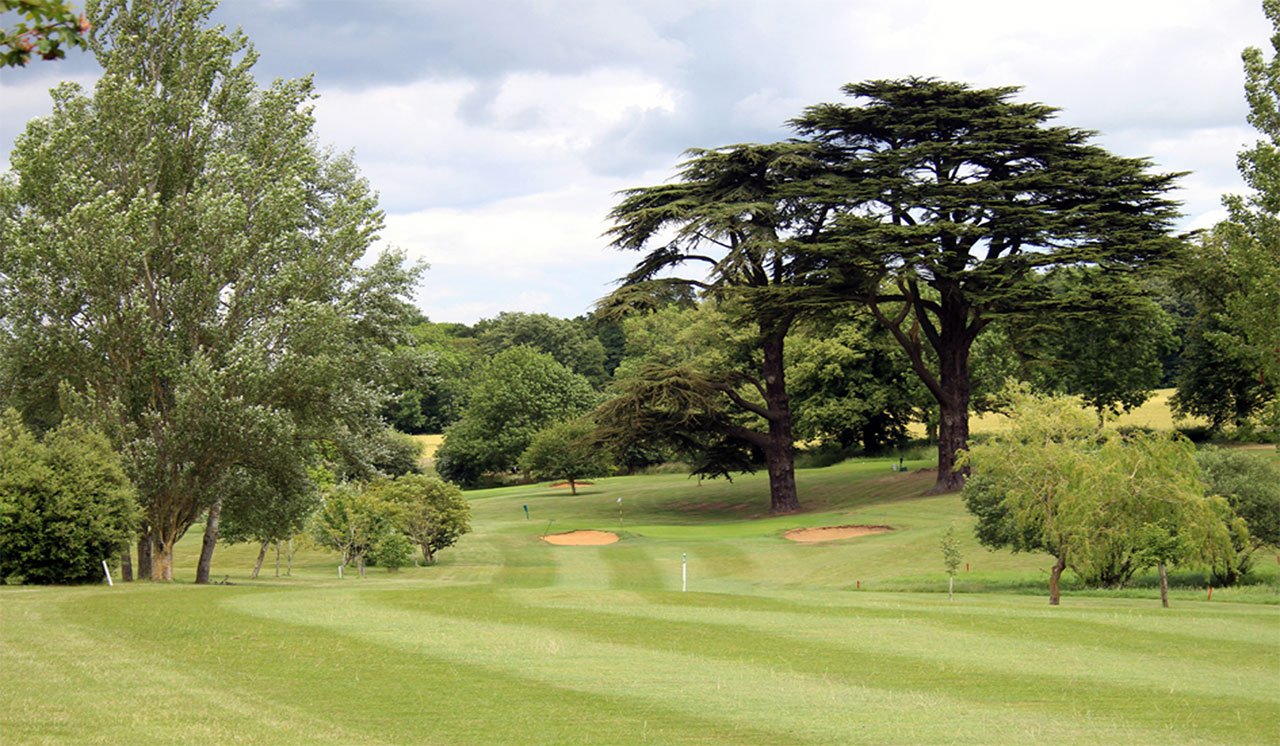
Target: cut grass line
{"points": [[131, 695], [827, 705]]}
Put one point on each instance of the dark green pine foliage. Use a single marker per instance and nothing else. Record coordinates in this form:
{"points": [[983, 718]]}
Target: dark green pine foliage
{"points": [[946, 200], [729, 216]]}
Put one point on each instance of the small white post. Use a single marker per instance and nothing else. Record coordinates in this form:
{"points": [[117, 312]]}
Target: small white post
{"points": [[108, 574], [684, 572], [339, 572]]}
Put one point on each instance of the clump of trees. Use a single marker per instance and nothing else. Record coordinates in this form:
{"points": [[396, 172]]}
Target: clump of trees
{"points": [[66, 503], [375, 519], [1102, 503], [517, 394]]}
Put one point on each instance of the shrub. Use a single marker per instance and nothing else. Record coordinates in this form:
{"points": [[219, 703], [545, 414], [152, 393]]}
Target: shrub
{"points": [[65, 503]]}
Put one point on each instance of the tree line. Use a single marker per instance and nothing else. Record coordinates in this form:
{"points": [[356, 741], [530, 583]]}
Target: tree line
{"points": [[181, 275]]}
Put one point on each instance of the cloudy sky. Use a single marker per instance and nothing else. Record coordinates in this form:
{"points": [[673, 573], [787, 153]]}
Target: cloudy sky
{"points": [[497, 132]]}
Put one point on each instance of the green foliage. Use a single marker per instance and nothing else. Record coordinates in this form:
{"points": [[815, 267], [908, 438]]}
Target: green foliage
{"points": [[429, 511], [1056, 482], [65, 503], [945, 202], [1252, 487], [352, 521], [393, 552], [181, 254], [567, 451], [1224, 378], [1105, 345], [850, 386], [518, 393], [569, 343], [950, 551], [677, 410], [49, 29]]}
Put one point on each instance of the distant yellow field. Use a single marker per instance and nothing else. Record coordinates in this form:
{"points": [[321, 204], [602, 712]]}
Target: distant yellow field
{"points": [[1155, 414], [428, 444]]}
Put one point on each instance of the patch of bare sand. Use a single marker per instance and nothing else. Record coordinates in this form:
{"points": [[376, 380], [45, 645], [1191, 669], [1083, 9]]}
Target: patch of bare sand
{"points": [[581, 538], [579, 482], [831, 533]]}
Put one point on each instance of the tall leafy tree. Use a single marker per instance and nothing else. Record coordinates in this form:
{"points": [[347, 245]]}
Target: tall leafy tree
{"points": [[729, 217], [949, 200], [182, 256], [1232, 365], [517, 394]]}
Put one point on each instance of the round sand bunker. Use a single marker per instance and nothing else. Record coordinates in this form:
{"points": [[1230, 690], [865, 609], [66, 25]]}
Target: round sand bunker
{"points": [[581, 538], [831, 533]]}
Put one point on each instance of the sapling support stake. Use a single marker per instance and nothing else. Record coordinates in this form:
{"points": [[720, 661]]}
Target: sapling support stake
{"points": [[108, 574]]}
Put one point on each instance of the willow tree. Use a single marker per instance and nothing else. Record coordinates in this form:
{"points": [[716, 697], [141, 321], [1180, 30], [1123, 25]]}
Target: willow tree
{"points": [[949, 201], [729, 217], [1054, 482], [179, 266]]}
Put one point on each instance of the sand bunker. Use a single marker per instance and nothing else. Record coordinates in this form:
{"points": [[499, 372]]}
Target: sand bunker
{"points": [[579, 482], [581, 538], [831, 533]]}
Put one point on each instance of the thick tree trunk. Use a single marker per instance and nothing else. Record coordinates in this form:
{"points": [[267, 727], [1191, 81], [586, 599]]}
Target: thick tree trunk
{"points": [[126, 566], [162, 558], [1164, 585], [573, 486], [210, 541], [779, 453], [1055, 575], [262, 553], [144, 555], [426, 552], [953, 406]]}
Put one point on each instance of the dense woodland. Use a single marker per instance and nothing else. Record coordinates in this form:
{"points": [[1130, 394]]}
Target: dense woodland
{"points": [[184, 281]]}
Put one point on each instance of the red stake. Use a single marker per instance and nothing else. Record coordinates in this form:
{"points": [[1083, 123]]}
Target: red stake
{"points": [[966, 565], [1210, 598], [859, 583]]}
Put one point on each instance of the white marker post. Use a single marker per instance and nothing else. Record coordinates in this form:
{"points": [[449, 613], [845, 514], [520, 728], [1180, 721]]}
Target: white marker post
{"points": [[108, 574], [684, 572], [339, 572]]}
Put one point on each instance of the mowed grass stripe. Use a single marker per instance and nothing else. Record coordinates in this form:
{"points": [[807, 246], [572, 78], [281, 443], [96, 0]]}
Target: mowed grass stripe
{"points": [[274, 681], [773, 695], [1073, 680], [951, 636], [632, 565], [523, 568], [61, 675]]}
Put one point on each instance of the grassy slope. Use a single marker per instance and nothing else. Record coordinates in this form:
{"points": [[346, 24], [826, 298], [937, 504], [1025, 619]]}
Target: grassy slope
{"points": [[510, 640]]}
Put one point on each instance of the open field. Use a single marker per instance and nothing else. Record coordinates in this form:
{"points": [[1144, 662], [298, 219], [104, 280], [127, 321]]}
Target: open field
{"points": [[1155, 413], [511, 640]]}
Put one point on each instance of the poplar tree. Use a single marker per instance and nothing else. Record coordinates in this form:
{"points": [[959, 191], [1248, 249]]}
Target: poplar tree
{"points": [[180, 263]]}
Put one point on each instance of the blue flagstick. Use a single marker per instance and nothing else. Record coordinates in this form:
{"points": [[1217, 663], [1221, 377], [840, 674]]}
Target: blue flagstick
{"points": [[526, 512]]}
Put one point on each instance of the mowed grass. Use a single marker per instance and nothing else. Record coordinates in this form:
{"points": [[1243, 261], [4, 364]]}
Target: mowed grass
{"points": [[510, 640]]}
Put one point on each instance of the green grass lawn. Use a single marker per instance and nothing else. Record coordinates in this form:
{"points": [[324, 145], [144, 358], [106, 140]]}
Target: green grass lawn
{"points": [[510, 640]]}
